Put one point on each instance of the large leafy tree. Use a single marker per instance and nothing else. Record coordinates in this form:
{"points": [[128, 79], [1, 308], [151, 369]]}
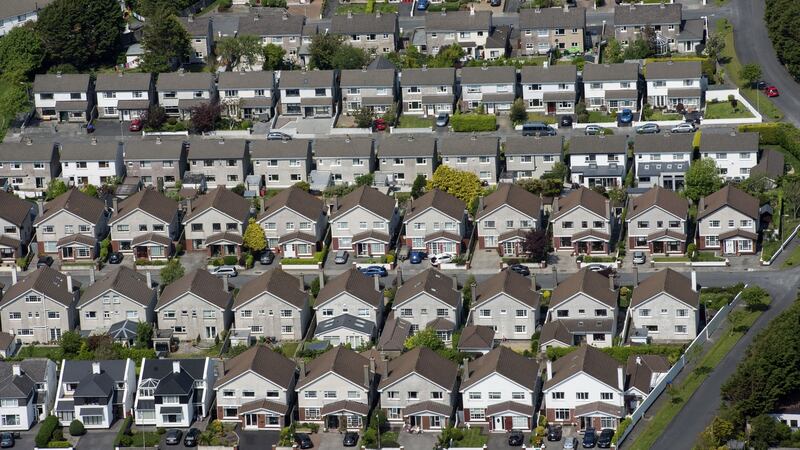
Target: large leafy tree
{"points": [[782, 18], [205, 117], [424, 338], [21, 53], [274, 58], [535, 245], [321, 50], [254, 237], [165, 42], [519, 112], [171, 272], [349, 57], [464, 185], [83, 33], [245, 50], [749, 74], [701, 179], [448, 56]]}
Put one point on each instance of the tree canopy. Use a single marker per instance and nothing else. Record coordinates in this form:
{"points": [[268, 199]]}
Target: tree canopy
{"points": [[254, 237], [21, 53], [329, 51], [782, 18], [464, 185], [165, 42], [171, 272], [424, 338], [701, 179]]}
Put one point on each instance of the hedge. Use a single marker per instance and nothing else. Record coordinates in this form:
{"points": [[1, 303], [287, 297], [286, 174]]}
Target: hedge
{"points": [[59, 444], [45, 433], [473, 122], [123, 430], [444, 6], [76, 428]]}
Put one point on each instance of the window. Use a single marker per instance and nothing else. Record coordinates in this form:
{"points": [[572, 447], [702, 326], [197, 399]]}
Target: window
{"points": [[494, 396], [437, 395], [329, 394], [477, 414], [582, 395], [228, 393], [562, 414], [562, 313], [680, 329], [310, 394], [608, 422], [600, 313], [312, 414], [353, 394], [644, 312], [16, 315], [442, 312], [53, 315], [474, 395], [606, 396], [406, 312], [681, 313], [286, 329], [485, 313], [713, 223], [412, 395], [394, 414]]}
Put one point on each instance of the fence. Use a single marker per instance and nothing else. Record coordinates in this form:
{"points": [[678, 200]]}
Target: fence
{"points": [[782, 247], [700, 340]]}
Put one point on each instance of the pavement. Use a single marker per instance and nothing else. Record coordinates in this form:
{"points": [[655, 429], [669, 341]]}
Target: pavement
{"points": [[257, 440], [99, 438]]}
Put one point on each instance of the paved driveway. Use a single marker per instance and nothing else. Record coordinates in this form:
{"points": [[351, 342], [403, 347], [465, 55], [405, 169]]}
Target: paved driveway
{"points": [[499, 441], [257, 440], [424, 441], [98, 439]]}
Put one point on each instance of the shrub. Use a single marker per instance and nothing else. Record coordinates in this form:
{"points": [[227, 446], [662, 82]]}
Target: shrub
{"points": [[473, 122], [230, 260], [76, 428], [45, 433], [248, 261], [59, 444]]}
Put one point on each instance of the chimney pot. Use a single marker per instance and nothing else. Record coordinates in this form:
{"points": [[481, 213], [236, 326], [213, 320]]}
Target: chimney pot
{"points": [[455, 283], [372, 367], [366, 375], [14, 275], [302, 368], [176, 366], [69, 283], [473, 289], [377, 281], [149, 279], [466, 368], [635, 276], [16, 370], [611, 282], [96, 368], [225, 283], [115, 204], [620, 378], [91, 275], [40, 207], [158, 139], [694, 280], [638, 360], [321, 280], [549, 369], [385, 368]]}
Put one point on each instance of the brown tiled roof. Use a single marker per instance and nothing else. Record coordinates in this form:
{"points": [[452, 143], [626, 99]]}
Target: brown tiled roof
{"points": [[593, 407], [14, 209], [583, 197], [506, 362], [591, 233], [123, 280], [46, 281], [77, 238], [340, 360], [640, 369], [771, 164], [346, 406], [441, 324], [225, 237], [666, 233], [200, 283], [586, 359], [432, 282], [738, 232], [443, 202], [731, 197], [277, 283], [151, 237], [297, 236], [262, 361], [665, 199], [513, 196], [425, 363], [516, 407], [476, 337], [394, 334], [280, 408], [295, 199], [555, 331], [669, 281], [584, 281], [150, 201], [90, 209], [512, 284], [441, 409], [368, 198], [354, 283], [222, 200]]}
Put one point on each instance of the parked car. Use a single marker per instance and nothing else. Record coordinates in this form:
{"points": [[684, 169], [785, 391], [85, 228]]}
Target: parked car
{"points": [[44, 261], [350, 439], [593, 130], [173, 437], [520, 269], [693, 117], [302, 440], [6, 440], [570, 443], [416, 257], [190, 440], [442, 119], [648, 128], [341, 256], [538, 129], [266, 258], [761, 85], [566, 121], [554, 432], [589, 438], [625, 116], [278, 136], [422, 5], [225, 271], [516, 438], [371, 271], [771, 91], [638, 257], [496, 2], [136, 125], [604, 441], [115, 258], [379, 124], [440, 258], [685, 127]]}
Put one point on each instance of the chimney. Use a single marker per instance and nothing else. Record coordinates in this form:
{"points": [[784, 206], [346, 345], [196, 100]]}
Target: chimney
{"points": [[91, 275], [473, 289], [399, 278], [28, 141], [225, 283], [372, 367], [366, 375], [69, 283], [349, 14], [285, 16], [16, 370], [321, 279], [40, 207], [620, 379], [188, 206], [176, 366], [378, 14], [385, 367], [610, 282], [694, 280], [149, 279], [96, 368], [257, 17], [302, 368], [115, 204], [263, 201], [471, 10], [94, 141], [533, 282], [158, 140], [303, 283], [377, 282], [549, 369], [14, 276], [455, 283], [466, 370], [638, 360], [58, 74], [635, 276], [662, 4]]}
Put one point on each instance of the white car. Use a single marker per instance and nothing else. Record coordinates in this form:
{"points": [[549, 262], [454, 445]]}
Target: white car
{"points": [[441, 258], [225, 271], [684, 128]]}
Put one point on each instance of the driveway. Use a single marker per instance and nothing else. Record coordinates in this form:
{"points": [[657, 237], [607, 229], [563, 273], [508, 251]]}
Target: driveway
{"points": [[485, 261], [424, 441], [499, 441], [99, 438], [257, 440], [25, 441]]}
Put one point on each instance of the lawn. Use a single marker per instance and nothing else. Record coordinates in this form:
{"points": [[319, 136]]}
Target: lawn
{"points": [[657, 114], [472, 438], [599, 116], [674, 259], [768, 249], [793, 259], [407, 121], [707, 257], [716, 298], [289, 348], [538, 117], [724, 110], [360, 8]]}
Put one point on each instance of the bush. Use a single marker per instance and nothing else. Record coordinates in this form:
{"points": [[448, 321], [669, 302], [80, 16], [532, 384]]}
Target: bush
{"points": [[230, 260], [620, 430], [473, 122], [59, 444], [76, 428], [45, 433], [249, 261]]}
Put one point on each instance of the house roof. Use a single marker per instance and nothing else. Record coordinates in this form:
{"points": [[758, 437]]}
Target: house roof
{"points": [[663, 143], [583, 197], [216, 149], [367, 77], [515, 407], [640, 369], [95, 385], [200, 283], [349, 322], [150, 201], [536, 18], [513, 196], [729, 142], [647, 14], [271, 24], [261, 360], [549, 74], [295, 199], [67, 82], [534, 145], [275, 282], [33, 370], [220, 199], [12, 8], [340, 360], [343, 147], [256, 79], [469, 146], [428, 76], [665, 199], [76, 202], [587, 145], [771, 164], [14, 209], [610, 72], [728, 196], [459, 21], [669, 70], [441, 201], [557, 331], [153, 149], [425, 363], [506, 362], [586, 359], [441, 409], [409, 145], [350, 24], [295, 79], [368, 198], [96, 151], [291, 148], [394, 335], [352, 282], [123, 280], [380, 62], [263, 404], [510, 283], [499, 37], [27, 151], [476, 337], [73, 371], [431, 282], [185, 81], [488, 75], [668, 281], [196, 26], [123, 81], [587, 282], [171, 382]]}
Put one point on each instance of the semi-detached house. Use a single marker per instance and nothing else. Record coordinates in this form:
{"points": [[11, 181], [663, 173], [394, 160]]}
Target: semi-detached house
{"points": [[122, 295], [674, 83], [531, 157], [145, 225], [95, 392], [728, 221], [308, 93], [436, 223], [281, 164], [665, 307], [476, 154], [407, 157], [63, 97], [97, 163], [27, 392], [468, 29], [598, 160], [551, 89], [197, 305], [507, 303], [216, 222], [428, 92], [219, 162], [180, 92], [363, 88], [375, 33], [505, 216], [662, 160], [282, 29], [174, 392], [611, 87], [17, 13], [72, 225], [672, 32], [201, 37], [581, 222], [546, 29], [28, 167], [735, 154], [16, 223], [657, 222], [156, 161], [124, 96], [294, 223], [345, 159], [247, 95], [430, 299], [349, 309], [495, 88], [273, 305], [364, 221]]}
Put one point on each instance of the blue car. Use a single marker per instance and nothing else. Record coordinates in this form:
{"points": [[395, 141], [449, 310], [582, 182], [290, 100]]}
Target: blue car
{"points": [[422, 5], [374, 270], [625, 116], [416, 257]]}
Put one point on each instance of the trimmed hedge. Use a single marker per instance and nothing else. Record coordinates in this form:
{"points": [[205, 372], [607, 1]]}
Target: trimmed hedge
{"points": [[473, 122], [46, 430], [444, 6], [76, 428], [123, 432]]}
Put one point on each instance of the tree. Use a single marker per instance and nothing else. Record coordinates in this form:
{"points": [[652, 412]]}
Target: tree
{"points": [[274, 58], [154, 117], [754, 297], [321, 50], [363, 117], [165, 42], [791, 193], [144, 332], [638, 49], [254, 237], [413, 58], [205, 117], [21, 53], [535, 245], [81, 32], [365, 180], [782, 18], [89, 189], [750, 74], [464, 185], [418, 187], [71, 343], [171, 272], [349, 57], [424, 338], [616, 195], [701, 179], [236, 50], [448, 56], [766, 432], [715, 45], [76, 428], [613, 52], [55, 188], [519, 112]]}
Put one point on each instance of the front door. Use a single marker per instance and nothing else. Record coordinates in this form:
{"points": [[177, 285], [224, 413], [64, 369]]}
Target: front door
{"points": [[586, 422], [333, 422], [289, 251], [55, 334], [498, 423], [551, 107], [658, 247], [730, 246], [211, 332], [251, 420]]}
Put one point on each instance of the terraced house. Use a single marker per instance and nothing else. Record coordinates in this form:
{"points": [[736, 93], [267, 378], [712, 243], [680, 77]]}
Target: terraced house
{"points": [[273, 305], [72, 225], [294, 223], [375, 33], [546, 29], [550, 90], [494, 88], [28, 167], [63, 97], [436, 223], [364, 221], [581, 222], [281, 164], [362, 88], [196, 305]]}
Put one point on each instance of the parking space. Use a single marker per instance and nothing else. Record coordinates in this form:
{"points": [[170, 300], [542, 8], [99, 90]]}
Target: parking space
{"points": [[499, 441], [99, 438], [25, 440], [485, 260], [324, 441], [423, 441], [257, 440]]}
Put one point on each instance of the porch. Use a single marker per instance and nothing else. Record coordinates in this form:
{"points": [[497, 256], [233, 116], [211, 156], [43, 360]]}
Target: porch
{"points": [[598, 415], [346, 412], [297, 245], [738, 242], [132, 109], [559, 102], [497, 103], [151, 246], [591, 242], [10, 249], [262, 415], [665, 242], [72, 111], [186, 105], [510, 244], [371, 243], [316, 107], [444, 329], [427, 415], [224, 244], [509, 416], [443, 242], [77, 247]]}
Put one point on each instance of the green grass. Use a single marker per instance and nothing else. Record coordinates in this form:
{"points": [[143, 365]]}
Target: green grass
{"points": [[657, 114], [360, 8], [289, 348], [707, 257], [724, 110], [793, 259], [472, 438], [538, 117], [5, 119], [407, 121], [671, 259], [716, 298], [599, 116]]}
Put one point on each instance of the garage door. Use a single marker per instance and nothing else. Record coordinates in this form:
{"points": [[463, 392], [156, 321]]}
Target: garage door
{"points": [[519, 423]]}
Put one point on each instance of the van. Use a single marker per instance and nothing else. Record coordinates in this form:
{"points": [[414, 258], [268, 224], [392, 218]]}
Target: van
{"points": [[537, 129]]}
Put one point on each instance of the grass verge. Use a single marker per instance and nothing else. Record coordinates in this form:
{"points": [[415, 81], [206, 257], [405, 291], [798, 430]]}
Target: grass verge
{"points": [[414, 122], [793, 259], [472, 438]]}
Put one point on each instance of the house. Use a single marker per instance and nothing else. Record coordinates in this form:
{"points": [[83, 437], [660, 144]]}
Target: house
{"points": [[282, 29], [611, 87], [469, 29], [178, 306], [308, 93], [393, 337], [549, 90], [180, 92], [349, 309], [642, 374], [372, 89], [478, 339], [665, 307], [419, 388], [29, 167], [430, 299], [247, 95], [63, 97], [346, 159], [505, 216], [543, 30], [598, 160], [336, 389], [477, 154], [201, 36], [156, 162], [436, 223], [98, 163], [205, 217], [221, 162], [95, 392], [498, 43], [531, 157], [375, 33], [493, 88], [675, 84], [8, 344], [309, 31], [281, 164], [16, 13], [294, 223], [507, 303], [123, 96], [585, 389], [145, 225], [407, 157], [662, 160], [364, 221], [428, 91], [728, 221], [771, 165], [16, 220], [27, 392], [734, 153], [497, 391], [256, 389], [658, 222], [273, 305], [585, 305], [71, 225], [787, 411], [346, 329], [672, 32], [174, 392], [124, 294]]}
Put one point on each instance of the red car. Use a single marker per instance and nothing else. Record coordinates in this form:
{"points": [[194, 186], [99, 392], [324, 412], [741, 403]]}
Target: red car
{"points": [[379, 124], [136, 125], [771, 91]]}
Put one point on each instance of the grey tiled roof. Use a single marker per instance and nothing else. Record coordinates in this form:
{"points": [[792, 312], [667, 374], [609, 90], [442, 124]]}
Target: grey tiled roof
{"points": [[295, 79], [550, 74], [335, 148], [663, 143], [458, 21], [96, 151], [195, 26], [673, 70], [367, 78], [488, 75], [469, 146], [647, 14], [732, 142], [178, 81], [153, 149], [256, 79], [407, 146], [535, 145], [610, 72], [271, 25], [68, 82], [428, 77], [364, 23], [539, 18], [123, 81], [27, 151], [216, 149], [12, 8], [585, 145], [294, 148]]}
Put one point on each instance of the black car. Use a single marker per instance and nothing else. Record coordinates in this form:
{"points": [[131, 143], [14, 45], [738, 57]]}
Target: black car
{"points": [[173, 437], [520, 269], [115, 258], [554, 433], [266, 258], [566, 121], [6, 440], [190, 440], [303, 441], [516, 438], [604, 441], [350, 439], [44, 261], [589, 438]]}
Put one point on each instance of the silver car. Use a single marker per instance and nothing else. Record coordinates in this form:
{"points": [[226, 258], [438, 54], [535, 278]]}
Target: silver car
{"points": [[593, 130], [225, 271], [570, 443], [341, 257], [684, 128], [442, 119], [278, 136], [638, 258]]}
